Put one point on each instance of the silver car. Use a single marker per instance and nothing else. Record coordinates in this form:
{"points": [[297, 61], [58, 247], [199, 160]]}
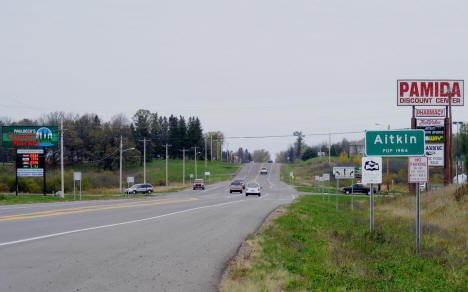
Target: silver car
{"points": [[253, 189], [140, 188]]}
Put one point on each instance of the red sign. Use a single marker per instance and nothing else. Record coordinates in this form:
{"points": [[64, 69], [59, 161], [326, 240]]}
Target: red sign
{"points": [[430, 112], [429, 92], [429, 123]]}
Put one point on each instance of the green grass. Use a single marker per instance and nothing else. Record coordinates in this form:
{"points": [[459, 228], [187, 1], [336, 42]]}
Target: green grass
{"points": [[97, 181], [316, 248]]}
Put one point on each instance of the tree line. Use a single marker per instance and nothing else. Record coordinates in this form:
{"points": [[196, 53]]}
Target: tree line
{"points": [[89, 139]]}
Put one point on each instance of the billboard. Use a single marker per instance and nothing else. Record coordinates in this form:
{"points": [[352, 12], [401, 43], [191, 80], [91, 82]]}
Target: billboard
{"points": [[29, 136], [429, 92], [435, 154], [430, 112], [30, 162]]}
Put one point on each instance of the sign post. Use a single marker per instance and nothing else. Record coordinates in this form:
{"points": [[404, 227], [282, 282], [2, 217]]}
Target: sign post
{"points": [[130, 180], [342, 172], [76, 177], [418, 172], [371, 174]]}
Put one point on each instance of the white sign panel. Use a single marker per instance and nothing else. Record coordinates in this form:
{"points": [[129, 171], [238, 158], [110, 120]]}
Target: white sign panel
{"points": [[30, 151], [291, 174], [418, 169], [30, 172], [435, 154], [429, 92], [77, 176], [317, 178], [191, 175], [429, 123], [130, 179], [207, 173], [372, 170], [326, 177], [430, 112], [343, 172]]}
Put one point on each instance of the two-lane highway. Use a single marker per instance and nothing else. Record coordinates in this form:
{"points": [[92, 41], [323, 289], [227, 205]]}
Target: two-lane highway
{"points": [[175, 242]]}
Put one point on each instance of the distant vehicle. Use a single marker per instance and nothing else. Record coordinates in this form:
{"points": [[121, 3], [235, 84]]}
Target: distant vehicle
{"points": [[199, 184], [140, 188], [253, 189], [461, 179], [264, 170], [235, 186], [357, 188], [270, 161], [242, 181]]}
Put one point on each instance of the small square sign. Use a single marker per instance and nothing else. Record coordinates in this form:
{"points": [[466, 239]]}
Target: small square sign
{"points": [[418, 169], [372, 170]]}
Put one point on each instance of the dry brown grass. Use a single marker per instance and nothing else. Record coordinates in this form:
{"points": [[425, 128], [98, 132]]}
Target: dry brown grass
{"points": [[444, 213], [235, 277]]}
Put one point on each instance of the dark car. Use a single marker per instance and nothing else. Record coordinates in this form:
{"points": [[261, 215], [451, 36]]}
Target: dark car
{"points": [[199, 184], [242, 181], [357, 188], [140, 188]]}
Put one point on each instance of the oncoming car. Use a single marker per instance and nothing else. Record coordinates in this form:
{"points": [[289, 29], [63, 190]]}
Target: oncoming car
{"points": [[199, 184], [253, 189], [140, 188], [264, 170]]}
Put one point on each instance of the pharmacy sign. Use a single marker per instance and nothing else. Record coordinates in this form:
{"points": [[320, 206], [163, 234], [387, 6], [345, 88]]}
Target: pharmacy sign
{"points": [[395, 143]]}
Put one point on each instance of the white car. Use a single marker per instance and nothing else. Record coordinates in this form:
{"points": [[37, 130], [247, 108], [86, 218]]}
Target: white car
{"points": [[264, 170], [253, 189]]}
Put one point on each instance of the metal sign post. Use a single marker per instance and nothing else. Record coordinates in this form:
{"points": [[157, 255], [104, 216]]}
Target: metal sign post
{"points": [[336, 193], [371, 174], [76, 177], [418, 172], [352, 195]]}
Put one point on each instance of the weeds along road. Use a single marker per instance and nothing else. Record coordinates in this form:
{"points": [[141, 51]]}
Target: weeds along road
{"points": [[175, 242]]}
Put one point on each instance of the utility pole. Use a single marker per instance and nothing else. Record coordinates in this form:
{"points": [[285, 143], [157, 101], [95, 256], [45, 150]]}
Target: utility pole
{"points": [[61, 160], [120, 180], [211, 147], [144, 158], [329, 147], [206, 155], [195, 157], [167, 165], [183, 166]]}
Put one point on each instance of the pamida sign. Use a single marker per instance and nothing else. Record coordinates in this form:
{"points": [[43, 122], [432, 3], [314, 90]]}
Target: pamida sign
{"points": [[29, 136], [430, 92]]}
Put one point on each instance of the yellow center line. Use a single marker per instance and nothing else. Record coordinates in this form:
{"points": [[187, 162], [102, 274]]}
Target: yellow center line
{"points": [[94, 208], [258, 173]]}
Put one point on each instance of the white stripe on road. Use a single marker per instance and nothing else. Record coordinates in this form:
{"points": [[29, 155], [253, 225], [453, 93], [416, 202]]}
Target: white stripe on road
{"points": [[117, 224]]}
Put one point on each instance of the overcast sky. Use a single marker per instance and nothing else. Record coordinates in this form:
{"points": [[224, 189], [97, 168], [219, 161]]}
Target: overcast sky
{"points": [[247, 68]]}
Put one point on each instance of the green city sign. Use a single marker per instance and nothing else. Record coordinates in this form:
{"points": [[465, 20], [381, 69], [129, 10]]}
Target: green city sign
{"points": [[395, 143], [29, 136]]}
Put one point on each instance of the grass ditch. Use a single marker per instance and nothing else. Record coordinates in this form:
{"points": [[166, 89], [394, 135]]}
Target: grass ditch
{"points": [[313, 247]]}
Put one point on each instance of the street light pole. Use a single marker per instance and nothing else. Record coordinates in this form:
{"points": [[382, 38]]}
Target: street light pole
{"points": [[167, 165], [206, 155], [195, 157], [120, 176], [62, 181], [211, 146]]}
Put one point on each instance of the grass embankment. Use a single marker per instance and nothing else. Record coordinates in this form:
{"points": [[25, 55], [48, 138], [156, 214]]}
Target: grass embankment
{"points": [[106, 182], [314, 247]]}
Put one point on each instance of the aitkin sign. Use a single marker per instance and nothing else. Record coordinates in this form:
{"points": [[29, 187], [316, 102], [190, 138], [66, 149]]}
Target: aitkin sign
{"points": [[395, 143], [429, 92]]}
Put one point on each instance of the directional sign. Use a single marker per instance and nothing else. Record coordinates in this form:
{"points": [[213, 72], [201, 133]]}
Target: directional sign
{"points": [[343, 172], [418, 169], [395, 143], [77, 176], [372, 170]]}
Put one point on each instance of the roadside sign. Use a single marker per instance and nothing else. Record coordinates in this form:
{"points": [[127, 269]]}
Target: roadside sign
{"points": [[191, 175], [326, 177], [29, 136], [317, 178], [77, 176], [30, 162], [435, 154], [207, 173], [418, 169], [291, 174], [357, 172], [429, 92], [343, 172], [430, 113], [372, 170], [429, 122], [395, 143], [130, 179]]}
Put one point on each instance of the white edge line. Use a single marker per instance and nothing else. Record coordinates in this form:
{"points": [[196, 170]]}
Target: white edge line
{"points": [[112, 225]]}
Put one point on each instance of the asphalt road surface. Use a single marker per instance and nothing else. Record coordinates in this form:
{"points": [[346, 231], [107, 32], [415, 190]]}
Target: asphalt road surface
{"points": [[175, 242]]}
